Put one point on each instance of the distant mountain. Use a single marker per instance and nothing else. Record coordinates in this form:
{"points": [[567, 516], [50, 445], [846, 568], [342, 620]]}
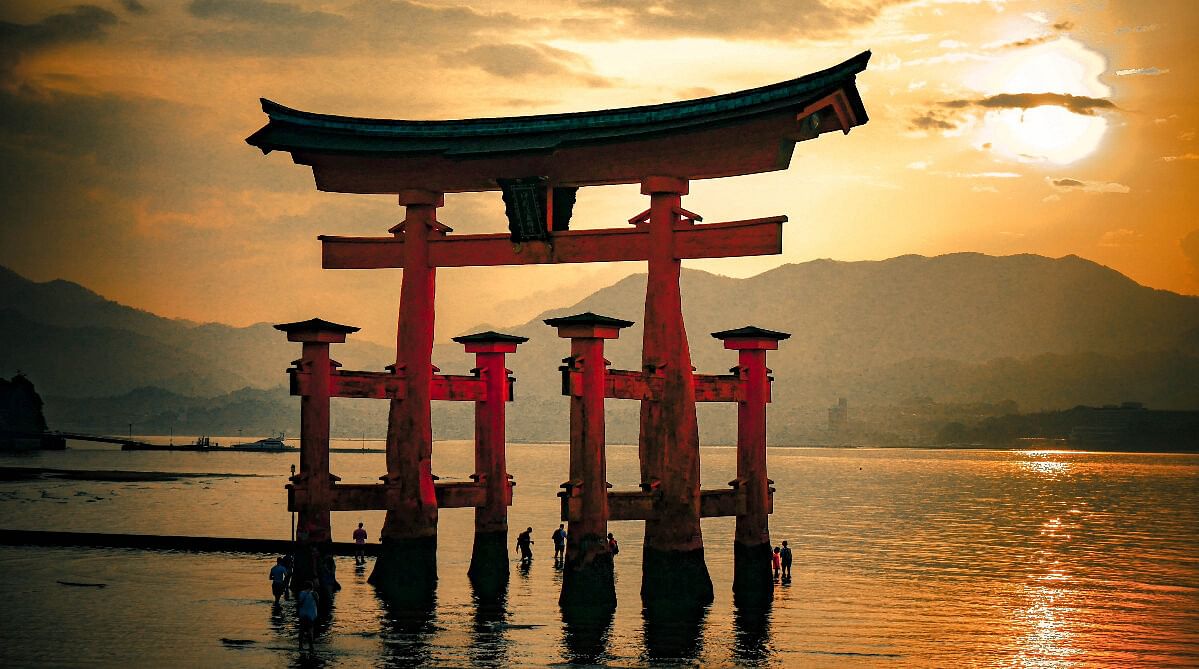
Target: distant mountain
{"points": [[75, 343], [962, 329]]}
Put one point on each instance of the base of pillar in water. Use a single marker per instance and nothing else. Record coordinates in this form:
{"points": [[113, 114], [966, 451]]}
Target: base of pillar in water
{"points": [[405, 572], [489, 565], [589, 586], [753, 576], [675, 580]]}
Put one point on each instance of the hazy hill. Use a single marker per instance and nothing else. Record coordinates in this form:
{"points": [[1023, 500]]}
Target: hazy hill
{"points": [[75, 343], [962, 328]]}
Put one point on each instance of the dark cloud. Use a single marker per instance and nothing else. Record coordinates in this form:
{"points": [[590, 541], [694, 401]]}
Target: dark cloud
{"points": [[518, 61], [1030, 41], [82, 23], [757, 19], [932, 120], [1062, 26], [1079, 104], [134, 7], [1068, 183], [260, 12]]}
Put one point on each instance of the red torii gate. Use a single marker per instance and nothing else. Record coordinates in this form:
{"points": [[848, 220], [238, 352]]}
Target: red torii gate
{"points": [[539, 162]]}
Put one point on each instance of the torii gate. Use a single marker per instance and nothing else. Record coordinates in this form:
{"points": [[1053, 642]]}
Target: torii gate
{"points": [[539, 162]]}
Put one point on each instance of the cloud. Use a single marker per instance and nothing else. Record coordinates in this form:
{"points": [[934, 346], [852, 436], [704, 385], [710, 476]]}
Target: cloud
{"points": [[518, 61], [83, 23], [980, 175], [1148, 28], [134, 7], [1120, 237], [932, 120], [1079, 104], [747, 19], [1145, 71], [1185, 156], [1190, 249], [920, 165], [1062, 26], [1068, 184]]}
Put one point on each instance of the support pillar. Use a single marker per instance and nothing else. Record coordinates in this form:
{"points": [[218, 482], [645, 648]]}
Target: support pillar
{"points": [[587, 578], [310, 488], [753, 581], [489, 557], [675, 575], [406, 570]]}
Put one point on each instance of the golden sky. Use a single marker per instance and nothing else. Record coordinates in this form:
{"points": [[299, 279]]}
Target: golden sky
{"points": [[997, 126]]}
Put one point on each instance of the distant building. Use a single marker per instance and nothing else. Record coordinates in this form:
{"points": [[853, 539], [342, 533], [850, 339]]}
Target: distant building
{"points": [[838, 416]]}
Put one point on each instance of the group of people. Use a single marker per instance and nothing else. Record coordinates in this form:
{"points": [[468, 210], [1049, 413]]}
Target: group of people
{"points": [[780, 560], [524, 543], [316, 583]]}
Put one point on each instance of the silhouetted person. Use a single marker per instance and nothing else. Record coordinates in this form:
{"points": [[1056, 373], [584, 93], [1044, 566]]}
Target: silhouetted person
{"points": [[559, 537], [785, 555], [289, 563], [360, 541], [306, 609], [776, 561], [278, 579], [524, 541], [613, 547]]}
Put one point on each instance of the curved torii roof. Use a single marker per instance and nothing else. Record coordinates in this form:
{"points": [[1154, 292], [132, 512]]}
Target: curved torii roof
{"points": [[724, 135]]}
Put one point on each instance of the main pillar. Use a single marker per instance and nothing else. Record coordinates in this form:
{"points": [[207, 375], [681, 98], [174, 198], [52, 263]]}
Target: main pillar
{"points": [[674, 572], [489, 557], [406, 570], [753, 581], [587, 580]]}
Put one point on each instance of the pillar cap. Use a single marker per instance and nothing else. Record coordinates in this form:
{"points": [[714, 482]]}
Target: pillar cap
{"points": [[588, 324], [751, 337], [490, 342], [415, 197], [316, 330], [661, 184]]}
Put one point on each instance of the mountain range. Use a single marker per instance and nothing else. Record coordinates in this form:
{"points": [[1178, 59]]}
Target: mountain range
{"points": [[962, 329]]}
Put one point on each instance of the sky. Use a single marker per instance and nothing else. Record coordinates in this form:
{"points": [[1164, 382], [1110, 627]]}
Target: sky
{"points": [[998, 126]]}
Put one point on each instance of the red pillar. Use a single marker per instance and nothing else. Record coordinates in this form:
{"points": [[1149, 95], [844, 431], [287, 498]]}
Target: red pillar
{"points": [[752, 577], [675, 574], [406, 570], [310, 487], [489, 554], [587, 579]]}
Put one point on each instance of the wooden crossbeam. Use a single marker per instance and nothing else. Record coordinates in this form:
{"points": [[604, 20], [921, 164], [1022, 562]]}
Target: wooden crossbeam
{"points": [[388, 386], [631, 385], [639, 504], [373, 496], [754, 237]]}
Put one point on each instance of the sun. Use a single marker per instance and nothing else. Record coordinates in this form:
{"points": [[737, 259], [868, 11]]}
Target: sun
{"points": [[1048, 133]]}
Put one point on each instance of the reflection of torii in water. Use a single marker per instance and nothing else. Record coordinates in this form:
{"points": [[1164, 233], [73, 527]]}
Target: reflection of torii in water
{"points": [[539, 162]]}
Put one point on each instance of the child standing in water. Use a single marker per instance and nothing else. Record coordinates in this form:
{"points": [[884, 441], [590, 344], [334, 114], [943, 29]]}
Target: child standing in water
{"points": [[776, 561], [306, 609]]}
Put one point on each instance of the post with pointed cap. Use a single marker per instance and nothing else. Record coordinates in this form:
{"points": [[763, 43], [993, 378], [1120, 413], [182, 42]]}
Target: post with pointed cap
{"points": [[587, 579], [489, 557], [310, 487], [752, 578], [676, 577], [406, 569]]}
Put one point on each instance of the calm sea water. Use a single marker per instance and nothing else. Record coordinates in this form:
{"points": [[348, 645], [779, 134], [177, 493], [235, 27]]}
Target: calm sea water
{"points": [[903, 558]]}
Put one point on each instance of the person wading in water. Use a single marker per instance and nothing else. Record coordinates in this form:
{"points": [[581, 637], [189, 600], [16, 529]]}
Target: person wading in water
{"points": [[524, 541]]}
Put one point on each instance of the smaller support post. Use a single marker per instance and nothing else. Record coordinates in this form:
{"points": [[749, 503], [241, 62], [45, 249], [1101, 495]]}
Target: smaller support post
{"points": [[312, 485], [752, 579], [489, 557], [587, 579]]}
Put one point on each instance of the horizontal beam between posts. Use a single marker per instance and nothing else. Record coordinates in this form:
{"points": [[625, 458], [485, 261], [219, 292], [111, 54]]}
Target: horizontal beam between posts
{"points": [[631, 385], [639, 504], [373, 496], [753, 237], [388, 386]]}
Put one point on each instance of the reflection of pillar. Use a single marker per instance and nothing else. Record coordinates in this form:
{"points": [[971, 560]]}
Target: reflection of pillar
{"points": [[489, 556], [675, 574], [311, 485], [752, 578], [406, 569], [587, 578]]}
